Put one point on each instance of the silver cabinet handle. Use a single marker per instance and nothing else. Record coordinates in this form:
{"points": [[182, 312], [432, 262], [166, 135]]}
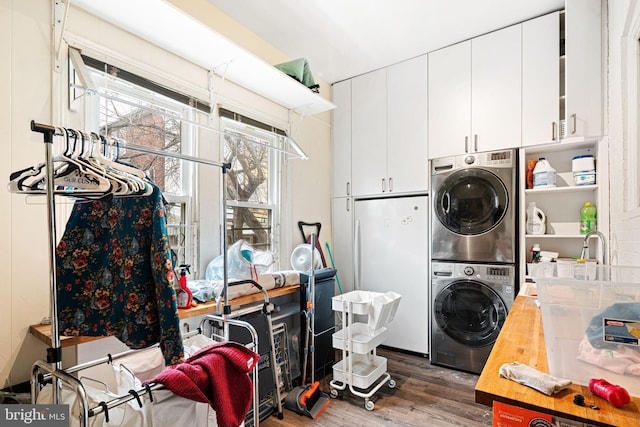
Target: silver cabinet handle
{"points": [[466, 144], [553, 131], [574, 119], [384, 186], [390, 184], [475, 142], [348, 189], [348, 205]]}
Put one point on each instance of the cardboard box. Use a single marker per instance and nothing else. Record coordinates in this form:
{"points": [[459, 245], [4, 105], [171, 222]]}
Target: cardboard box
{"points": [[505, 415]]}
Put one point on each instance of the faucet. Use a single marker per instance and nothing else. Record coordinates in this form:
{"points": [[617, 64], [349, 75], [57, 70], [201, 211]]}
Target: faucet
{"points": [[585, 246]]}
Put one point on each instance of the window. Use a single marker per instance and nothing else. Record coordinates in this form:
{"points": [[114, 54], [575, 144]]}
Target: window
{"points": [[253, 181], [141, 112], [144, 117]]}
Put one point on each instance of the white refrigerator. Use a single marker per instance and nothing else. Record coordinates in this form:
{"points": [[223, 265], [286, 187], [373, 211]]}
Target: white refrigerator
{"points": [[391, 253]]}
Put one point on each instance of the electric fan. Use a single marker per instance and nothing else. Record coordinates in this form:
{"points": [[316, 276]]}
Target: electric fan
{"points": [[301, 258]]}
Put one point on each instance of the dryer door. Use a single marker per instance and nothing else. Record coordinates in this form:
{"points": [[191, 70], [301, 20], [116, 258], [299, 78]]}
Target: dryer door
{"points": [[471, 201], [470, 312]]}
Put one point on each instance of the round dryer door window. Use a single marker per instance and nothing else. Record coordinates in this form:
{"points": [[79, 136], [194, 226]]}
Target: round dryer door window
{"points": [[471, 201], [470, 312]]}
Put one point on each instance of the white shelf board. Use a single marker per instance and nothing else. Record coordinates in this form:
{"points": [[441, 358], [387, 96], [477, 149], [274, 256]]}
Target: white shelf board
{"points": [[566, 189], [566, 143], [170, 28]]}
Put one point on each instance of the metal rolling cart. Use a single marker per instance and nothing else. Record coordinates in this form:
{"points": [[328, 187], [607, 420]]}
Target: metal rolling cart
{"points": [[361, 369]]}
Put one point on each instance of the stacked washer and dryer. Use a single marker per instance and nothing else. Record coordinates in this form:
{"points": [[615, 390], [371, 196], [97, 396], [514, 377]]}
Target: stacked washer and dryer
{"points": [[473, 256]]}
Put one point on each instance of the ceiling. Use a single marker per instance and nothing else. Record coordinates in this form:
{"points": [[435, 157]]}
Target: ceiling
{"points": [[345, 38]]}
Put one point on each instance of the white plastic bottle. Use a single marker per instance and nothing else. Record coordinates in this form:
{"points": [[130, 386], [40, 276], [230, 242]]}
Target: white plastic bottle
{"points": [[536, 220], [543, 174]]}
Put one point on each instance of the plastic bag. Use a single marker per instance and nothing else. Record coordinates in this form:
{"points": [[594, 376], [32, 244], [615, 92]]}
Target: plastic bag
{"points": [[243, 262]]}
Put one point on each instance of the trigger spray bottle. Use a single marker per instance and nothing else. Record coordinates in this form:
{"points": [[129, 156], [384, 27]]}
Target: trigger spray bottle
{"points": [[185, 297]]}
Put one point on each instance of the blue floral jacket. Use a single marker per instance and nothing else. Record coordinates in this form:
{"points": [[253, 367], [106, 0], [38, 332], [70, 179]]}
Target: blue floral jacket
{"points": [[115, 276]]}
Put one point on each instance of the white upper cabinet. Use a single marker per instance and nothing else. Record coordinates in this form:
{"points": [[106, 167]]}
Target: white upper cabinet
{"points": [[449, 91], [541, 80], [583, 68], [474, 94], [407, 164], [389, 130], [369, 132], [341, 141], [496, 84]]}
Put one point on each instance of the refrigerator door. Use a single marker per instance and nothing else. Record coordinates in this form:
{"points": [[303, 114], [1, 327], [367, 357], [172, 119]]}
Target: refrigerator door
{"points": [[392, 255]]}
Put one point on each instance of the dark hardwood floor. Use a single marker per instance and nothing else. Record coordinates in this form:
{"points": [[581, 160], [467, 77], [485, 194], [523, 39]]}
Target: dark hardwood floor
{"points": [[425, 395]]}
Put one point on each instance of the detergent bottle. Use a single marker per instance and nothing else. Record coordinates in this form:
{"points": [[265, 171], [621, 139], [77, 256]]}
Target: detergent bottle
{"points": [[185, 297], [543, 174], [536, 220], [587, 218]]}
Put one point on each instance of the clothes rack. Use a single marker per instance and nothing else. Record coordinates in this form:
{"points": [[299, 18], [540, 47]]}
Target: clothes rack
{"points": [[53, 364]]}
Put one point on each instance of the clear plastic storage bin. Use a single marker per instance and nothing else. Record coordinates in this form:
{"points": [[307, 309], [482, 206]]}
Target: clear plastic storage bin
{"points": [[592, 326]]}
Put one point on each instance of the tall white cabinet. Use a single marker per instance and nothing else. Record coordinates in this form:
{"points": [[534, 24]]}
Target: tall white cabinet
{"points": [[342, 202], [474, 87]]}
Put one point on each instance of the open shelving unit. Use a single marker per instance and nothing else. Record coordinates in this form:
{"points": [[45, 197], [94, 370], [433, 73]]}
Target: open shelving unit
{"points": [[561, 204]]}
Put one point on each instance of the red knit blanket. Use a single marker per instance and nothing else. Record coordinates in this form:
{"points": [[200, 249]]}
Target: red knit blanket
{"points": [[217, 374]]}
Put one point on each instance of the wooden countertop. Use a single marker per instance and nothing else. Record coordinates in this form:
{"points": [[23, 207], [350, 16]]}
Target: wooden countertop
{"points": [[522, 340], [43, 332]]}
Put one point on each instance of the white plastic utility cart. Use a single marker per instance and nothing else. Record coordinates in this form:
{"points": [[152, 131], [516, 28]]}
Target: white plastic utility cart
{"points": [[361, 369]]}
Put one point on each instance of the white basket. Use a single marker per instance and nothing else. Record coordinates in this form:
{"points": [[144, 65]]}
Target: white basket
{"points": [[380, 307], [362, 341], [383, 310], [354, 302], [366, 369]]}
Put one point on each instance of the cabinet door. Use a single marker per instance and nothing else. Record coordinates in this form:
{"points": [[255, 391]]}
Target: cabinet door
{"points": [[541, 80], [583, 76], [407, 164], [369, 133], [496, 84], [341, 141], [449, 91], [342, 249]]}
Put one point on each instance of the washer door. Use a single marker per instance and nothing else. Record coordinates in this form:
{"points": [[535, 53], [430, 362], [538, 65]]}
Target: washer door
{"points": [[471, 201], [470, 312]]}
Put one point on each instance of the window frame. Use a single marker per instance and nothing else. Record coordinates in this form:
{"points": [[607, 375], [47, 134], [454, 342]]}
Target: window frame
{"points": [[631, 144], [276, 170]]}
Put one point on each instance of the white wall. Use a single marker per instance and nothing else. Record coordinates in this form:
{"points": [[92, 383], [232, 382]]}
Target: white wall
{"points": [[625, 220], [26, 82]]}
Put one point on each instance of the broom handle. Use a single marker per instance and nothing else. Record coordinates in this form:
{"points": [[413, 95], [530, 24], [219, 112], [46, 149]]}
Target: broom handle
{"points": [[312, 288]]}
